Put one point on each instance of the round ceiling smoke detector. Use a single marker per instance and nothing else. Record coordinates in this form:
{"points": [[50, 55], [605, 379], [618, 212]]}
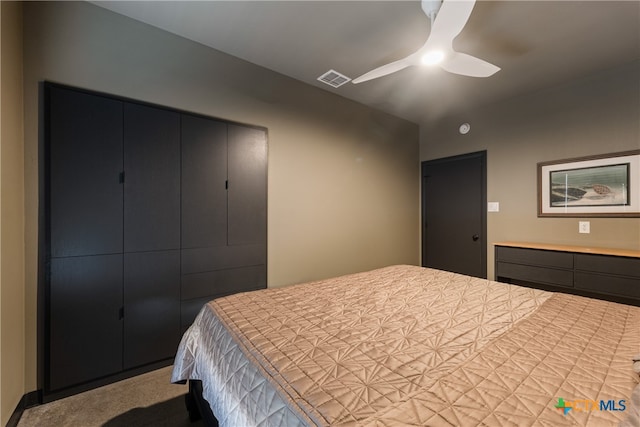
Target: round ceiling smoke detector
{"points": [[465, 128]]}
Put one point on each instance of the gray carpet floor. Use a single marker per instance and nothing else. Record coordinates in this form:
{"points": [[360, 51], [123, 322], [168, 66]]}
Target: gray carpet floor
{"points": [[146, 400]]}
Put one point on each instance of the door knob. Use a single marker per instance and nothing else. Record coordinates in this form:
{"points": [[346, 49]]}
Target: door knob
{"points": [[475, 237]]}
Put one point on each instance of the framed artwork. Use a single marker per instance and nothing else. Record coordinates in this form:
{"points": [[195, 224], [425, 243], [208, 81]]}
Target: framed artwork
{"points": [[607, 185]]}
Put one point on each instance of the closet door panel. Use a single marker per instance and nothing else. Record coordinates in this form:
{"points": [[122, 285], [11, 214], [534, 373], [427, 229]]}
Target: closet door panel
{"points": [[85, 327], [85, 162], [247, 185], [152, 306], [148, 214], [204, 175], [152, 178]]}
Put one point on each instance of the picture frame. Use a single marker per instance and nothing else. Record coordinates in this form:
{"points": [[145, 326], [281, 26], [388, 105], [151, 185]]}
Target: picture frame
{"points": [[606, 185]]}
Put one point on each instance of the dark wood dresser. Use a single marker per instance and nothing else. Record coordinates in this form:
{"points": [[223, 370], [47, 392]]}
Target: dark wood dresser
{"points": [[605, 273]]}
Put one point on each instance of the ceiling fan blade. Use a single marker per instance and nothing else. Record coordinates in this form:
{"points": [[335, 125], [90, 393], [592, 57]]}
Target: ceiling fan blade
{"points": [[449, 22], [467, 65], [385, 69]]}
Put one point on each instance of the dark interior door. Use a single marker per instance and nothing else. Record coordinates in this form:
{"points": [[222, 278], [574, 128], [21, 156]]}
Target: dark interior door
{"points": [[454, 215]]}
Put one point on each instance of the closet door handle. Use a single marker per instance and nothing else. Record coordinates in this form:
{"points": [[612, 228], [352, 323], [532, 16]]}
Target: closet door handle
{"points": [[475, 237]]}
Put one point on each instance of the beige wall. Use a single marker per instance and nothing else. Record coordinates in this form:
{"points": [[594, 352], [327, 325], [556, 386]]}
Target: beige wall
{"points": [[594, 115], [12, 282], [343, 179]]}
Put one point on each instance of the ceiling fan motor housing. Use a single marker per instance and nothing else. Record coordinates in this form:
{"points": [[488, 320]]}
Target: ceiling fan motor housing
{"points": [[431, 7]]}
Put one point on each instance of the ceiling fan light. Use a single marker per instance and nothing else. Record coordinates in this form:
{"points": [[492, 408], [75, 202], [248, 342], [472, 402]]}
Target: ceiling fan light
{"points": [[433, 57]]}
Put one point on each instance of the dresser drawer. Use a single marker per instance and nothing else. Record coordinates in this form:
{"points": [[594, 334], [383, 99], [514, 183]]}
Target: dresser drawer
{"points": [[607, 264], [200, 260], [534, 257], [189, 309], [609, 274], [197, 285], [534, 274], [612, 285]]}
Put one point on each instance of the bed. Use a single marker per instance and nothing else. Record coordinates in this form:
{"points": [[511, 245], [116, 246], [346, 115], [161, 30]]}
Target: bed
{"points": [[406, 345]]}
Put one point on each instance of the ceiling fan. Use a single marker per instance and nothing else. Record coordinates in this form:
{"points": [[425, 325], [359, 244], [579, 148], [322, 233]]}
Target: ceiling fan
{"points": [[448, 18]]}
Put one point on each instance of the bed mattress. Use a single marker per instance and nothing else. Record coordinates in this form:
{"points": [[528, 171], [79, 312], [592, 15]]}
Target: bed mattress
{"points": [[406, 345]]}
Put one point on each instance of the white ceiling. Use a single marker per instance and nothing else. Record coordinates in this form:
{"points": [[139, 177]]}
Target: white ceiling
{"points": [[536, 43]]}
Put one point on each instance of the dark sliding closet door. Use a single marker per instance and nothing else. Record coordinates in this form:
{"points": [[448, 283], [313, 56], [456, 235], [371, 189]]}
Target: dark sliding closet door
{"points": [[152, 179], [152, 306], [151, 234], [248, 186], [204, 182], [224, 211], [85, 152], [85, 324], [149, 213], [86, 227], [114, 203]]}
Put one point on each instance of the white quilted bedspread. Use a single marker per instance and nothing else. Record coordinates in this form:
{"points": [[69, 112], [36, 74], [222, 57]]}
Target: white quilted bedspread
{"points": [[407, 345]]}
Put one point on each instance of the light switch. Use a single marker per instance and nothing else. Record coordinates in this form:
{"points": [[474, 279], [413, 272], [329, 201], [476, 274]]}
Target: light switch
{"points": [[493, 207], [584, 227]]}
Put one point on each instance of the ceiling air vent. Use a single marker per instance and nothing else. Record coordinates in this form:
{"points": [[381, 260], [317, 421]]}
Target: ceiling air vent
{"points": [[334, 78]]}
